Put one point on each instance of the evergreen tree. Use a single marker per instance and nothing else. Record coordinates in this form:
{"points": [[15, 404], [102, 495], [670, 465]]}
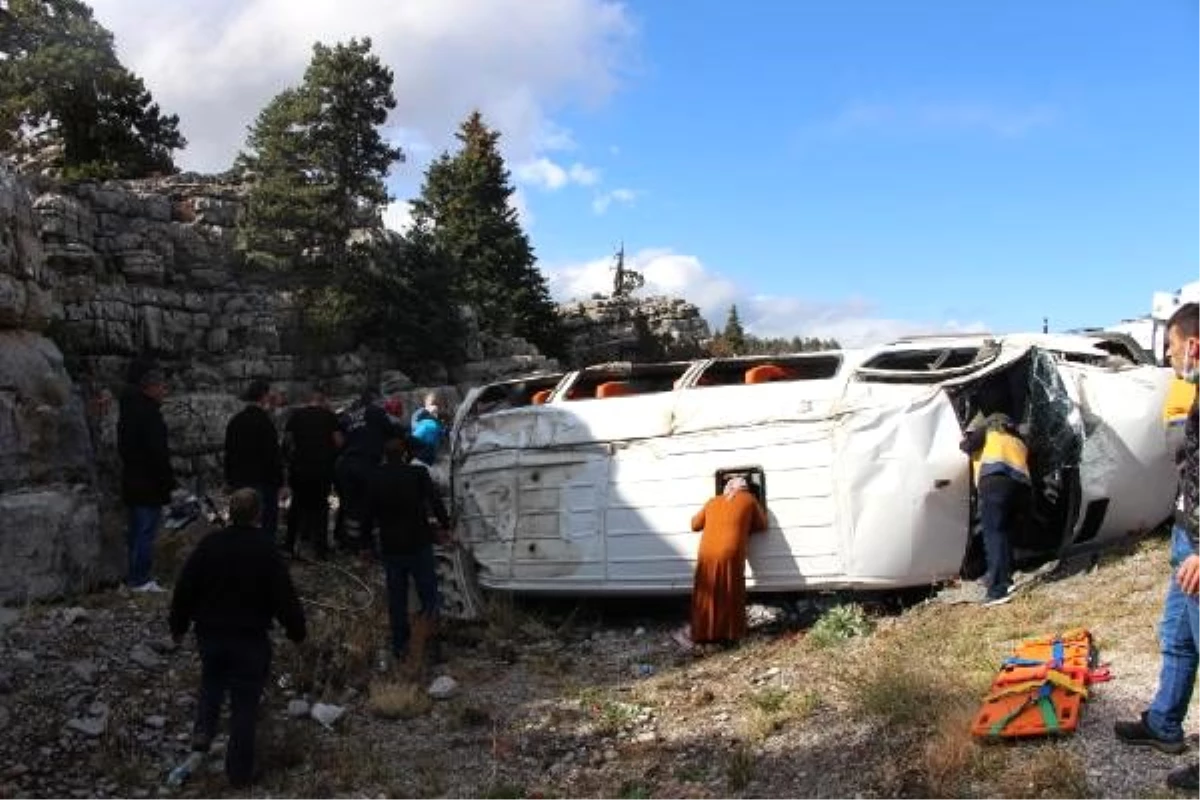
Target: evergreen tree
{"points": [[465, 203], [318, 163], [407, 305], [734, 335], [67, 102]]}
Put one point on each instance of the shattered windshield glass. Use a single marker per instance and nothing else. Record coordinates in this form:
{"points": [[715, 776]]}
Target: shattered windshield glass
{"points": [[1056, 424]]}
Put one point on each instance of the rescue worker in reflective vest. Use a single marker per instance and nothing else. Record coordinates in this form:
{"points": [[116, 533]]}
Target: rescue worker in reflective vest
{"points": [[1161, 724], [1180, 399], [1000, 466]]}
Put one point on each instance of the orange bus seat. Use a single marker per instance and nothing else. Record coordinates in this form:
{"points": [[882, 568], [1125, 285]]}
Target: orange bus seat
{"points": [[765, 373], [540, 398], [613, 389]]}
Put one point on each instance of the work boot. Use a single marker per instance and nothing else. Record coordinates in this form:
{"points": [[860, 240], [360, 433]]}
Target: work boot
{"points": [[1184, 779], [1139, 733]]}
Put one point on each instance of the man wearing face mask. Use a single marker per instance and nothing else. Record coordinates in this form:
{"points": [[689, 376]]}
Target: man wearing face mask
{"points": [[1161, 725]]}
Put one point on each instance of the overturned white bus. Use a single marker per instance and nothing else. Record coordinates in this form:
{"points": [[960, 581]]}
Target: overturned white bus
{"points": [[585, 482]]}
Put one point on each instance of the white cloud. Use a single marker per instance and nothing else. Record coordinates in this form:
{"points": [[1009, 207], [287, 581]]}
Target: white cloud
{"points": [[853, 321], [518, 202], [546, 174], [398, 216], [602, 202], [518, 61], [937, 118]]}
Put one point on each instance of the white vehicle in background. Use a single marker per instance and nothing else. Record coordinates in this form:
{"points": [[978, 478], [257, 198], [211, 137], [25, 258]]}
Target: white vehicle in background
{"points": [[1150, 331], [585, 482]]}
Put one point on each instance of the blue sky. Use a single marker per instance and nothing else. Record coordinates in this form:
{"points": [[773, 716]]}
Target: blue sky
{"points": [[858, 169], [943, 161]]}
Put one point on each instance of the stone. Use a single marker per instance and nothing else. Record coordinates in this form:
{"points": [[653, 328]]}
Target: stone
{"points": [[13, 297], [327, 714], [144, 657], [298, 709], [52, 541], [156, 721], [443, 687], [85, 670], [74, 614]]}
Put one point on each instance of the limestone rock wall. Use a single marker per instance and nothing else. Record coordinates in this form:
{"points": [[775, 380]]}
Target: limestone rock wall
{"points": [[106, 272], [51, 541], [605, 329]]}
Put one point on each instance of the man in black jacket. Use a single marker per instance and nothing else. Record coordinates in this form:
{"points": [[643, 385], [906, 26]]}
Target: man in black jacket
{"points": [[311, 440], [402, 497], [146, 476], [365, 427], [231, 588], [253, 459]]}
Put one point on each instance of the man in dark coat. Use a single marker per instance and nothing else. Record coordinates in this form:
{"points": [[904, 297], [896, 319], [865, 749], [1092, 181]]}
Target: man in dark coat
{"points": [[311, 440], [253, 458], [231, 588], [365, 427], [402, 497], [147, 479]]}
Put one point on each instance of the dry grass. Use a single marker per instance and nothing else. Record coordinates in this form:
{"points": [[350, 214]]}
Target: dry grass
{"points": [[772, 709], [398, 700], [740, 768], [922, 677]]}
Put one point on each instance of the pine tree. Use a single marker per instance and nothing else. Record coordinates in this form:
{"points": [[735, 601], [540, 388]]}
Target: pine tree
{"points": [[67, 102], [317, 162], [734, 335], [406, 302], [465, 203]]}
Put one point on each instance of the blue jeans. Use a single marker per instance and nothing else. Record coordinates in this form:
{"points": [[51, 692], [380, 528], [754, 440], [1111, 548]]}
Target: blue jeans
{"points": [[143, 527], [1178, 639], [422, 566]]}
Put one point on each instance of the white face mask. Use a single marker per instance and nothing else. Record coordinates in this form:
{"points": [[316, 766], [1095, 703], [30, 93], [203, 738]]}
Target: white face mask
{"points": [[1191, 368]]}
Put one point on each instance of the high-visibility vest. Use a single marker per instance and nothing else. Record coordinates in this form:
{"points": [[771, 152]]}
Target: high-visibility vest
{"points": [[1002, 454], [1180, 398]]}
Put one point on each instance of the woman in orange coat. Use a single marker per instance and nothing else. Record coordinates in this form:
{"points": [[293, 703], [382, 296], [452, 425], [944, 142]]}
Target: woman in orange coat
{"points": [[719, 591]]}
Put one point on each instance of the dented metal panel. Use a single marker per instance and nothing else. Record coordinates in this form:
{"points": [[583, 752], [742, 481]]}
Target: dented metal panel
{"points": [[866, 484]]}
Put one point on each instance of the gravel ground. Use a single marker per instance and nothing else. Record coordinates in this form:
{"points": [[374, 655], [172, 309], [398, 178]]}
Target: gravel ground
{"points": [[553, 699]]}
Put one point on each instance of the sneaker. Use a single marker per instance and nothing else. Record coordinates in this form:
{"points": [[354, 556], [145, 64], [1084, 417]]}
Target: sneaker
{"points": [[1184, 779], [989, 602], [150, 587], [1139, 733]]}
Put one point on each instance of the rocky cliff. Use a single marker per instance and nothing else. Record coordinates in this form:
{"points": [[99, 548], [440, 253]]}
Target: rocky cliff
{"points": [[651, 328], [50, 536], [109, 272], [93, 275]]}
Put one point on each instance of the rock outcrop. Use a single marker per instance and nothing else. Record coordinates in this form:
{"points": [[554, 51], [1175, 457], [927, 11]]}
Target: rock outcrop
{"points": [[50, 537], [93, 275], [651, 328], [104, 273]]}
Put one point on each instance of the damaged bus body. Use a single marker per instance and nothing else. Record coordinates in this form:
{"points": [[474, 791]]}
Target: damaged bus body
{"points": [[584, 483]]}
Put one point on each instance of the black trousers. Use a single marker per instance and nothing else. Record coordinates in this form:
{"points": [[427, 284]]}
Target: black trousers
{"points": [[238, 664], [999, 507], [308, 515], [355, 520]]}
